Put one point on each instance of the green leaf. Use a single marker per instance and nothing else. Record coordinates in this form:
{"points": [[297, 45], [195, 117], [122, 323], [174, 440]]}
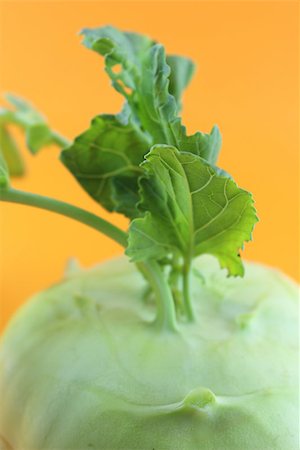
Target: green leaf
{"points": [[190, 209], [106, 159], [182, 70], [145, 79], [37, 131], [205, 145], [10, 153]]}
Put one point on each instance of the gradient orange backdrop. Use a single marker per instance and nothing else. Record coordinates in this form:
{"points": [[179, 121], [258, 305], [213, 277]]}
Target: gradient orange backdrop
{"points": [[247, 83]]}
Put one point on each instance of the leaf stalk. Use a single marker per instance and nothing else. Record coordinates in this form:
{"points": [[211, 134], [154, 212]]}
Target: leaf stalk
{"points": [[65, 209], [188, 305], [166, 314]]}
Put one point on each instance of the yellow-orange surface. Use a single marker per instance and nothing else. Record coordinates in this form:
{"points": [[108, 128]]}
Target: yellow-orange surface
{"points": [[246, 82]]}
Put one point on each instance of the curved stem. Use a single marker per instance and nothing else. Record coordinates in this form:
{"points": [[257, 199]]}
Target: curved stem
{"points": [[65, 209], [60, 140], [166, 315], [186, 291]]}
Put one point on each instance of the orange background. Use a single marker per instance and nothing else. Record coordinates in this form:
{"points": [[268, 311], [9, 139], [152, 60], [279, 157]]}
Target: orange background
{"points": [[247, 83]]}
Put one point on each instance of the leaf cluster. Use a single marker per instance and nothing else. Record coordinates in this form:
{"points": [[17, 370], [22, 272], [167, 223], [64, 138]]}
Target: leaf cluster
{"points": [[142, 163]]}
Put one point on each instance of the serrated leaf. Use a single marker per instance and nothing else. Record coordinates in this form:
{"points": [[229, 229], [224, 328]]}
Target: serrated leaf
{"points": [[153, 94], [182, 70], [149, 116], [190, 209], [105, 160]]}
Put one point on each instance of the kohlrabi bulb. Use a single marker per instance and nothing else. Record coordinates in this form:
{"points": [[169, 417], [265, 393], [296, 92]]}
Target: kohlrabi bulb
{"points": [[83, 367]]}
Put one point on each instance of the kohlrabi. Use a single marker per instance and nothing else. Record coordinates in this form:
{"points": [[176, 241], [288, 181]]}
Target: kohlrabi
{"points": [[173, 348]]}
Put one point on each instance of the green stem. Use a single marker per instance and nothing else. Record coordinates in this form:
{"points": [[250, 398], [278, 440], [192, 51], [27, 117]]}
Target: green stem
{"points": [[60, 140], [187, 291], [65, 209], [166, 315]]}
